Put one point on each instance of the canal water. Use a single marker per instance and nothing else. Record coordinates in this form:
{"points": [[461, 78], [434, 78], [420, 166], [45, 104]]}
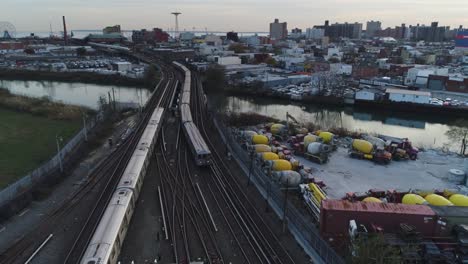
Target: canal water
{"points": [[423, 131], [76, 93]]}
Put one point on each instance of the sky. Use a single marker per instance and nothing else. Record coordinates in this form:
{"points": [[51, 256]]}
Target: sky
{"points": [[226, 15]]}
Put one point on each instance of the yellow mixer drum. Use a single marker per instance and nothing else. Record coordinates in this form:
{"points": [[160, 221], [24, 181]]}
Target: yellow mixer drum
{"points": [[437, 200]]}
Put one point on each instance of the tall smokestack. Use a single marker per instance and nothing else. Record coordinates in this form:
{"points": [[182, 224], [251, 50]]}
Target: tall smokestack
{"points": [[65, 36]]}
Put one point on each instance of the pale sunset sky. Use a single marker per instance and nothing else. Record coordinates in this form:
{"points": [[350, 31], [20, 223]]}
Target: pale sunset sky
{"points": [[224, 15]]}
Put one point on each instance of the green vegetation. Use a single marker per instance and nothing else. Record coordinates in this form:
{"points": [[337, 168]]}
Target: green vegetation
{"points": [[374, 250], [459, 133], [28, 127], [40, 106], [27, 141], [151, 77], [214, 78], [247, 119], [252, 119], [237, 48]]}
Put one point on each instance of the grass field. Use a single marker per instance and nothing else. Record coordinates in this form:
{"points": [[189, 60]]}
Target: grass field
{"points": [[27, 141]]}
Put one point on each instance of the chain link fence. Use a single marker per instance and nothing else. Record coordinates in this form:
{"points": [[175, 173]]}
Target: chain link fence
{"points": [[300, 226], [41, 174]]}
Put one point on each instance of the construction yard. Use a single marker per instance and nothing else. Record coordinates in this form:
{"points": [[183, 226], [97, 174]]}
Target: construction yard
{"points": [[343, 174]]}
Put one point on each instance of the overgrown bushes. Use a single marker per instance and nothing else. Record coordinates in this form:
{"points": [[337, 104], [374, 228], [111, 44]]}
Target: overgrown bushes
{"points": [[41, 106], [252, 119]]}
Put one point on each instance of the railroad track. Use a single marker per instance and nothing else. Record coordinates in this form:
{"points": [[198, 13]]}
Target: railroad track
{"points": [[160, 98], [189, 223], [262, 242], [104, 177]]}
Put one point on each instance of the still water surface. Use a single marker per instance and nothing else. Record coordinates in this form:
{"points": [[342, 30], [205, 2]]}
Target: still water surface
{"points": [[76, 93], [423, 131]]}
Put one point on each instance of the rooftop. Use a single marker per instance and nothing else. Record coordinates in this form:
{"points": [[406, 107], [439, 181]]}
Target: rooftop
{"points": [[409, 92], [106, 36]]}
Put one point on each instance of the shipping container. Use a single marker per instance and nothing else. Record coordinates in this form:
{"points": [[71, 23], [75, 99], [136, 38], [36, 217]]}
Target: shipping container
{"points": [[336, 214]]}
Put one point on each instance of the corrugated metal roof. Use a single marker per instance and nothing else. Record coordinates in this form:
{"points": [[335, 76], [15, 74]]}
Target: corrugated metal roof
{"points": [[402, 91], [342, 205]]}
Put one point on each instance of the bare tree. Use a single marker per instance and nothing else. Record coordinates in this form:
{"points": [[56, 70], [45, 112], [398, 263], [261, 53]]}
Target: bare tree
{"points": [[458, 132]]}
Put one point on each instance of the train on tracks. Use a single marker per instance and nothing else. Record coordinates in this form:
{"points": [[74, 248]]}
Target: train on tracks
{"points": [[109, 235], [198, 146]]}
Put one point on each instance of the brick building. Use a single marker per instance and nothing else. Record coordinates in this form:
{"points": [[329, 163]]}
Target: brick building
{"points": [[157, 35]]}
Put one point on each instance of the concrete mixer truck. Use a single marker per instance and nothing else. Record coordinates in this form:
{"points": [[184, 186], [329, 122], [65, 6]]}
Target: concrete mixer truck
{"points": [[401, 148], [363, 149], [313, 151]]}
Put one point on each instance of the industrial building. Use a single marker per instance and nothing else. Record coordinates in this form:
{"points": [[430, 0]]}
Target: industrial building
{"points": [[112, 30], [229, 60], [365, 95], [278, 31], [157, 35], [418, 76], [408, 96], [105, 38], [121, 66]]}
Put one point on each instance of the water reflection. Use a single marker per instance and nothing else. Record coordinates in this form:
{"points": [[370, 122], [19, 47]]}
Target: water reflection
{"points": [[76, 93], [424, 131]]}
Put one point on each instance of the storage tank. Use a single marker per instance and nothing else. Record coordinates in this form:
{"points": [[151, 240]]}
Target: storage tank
{"points": [[259, 148], [371, 200], [311, 138], [269, 156], [288, 177], [259, 139], [363, 146], [327, 137], [411, 198], [459, 200], [277, 129], [435, 199], [280, 165], [315, 148]]}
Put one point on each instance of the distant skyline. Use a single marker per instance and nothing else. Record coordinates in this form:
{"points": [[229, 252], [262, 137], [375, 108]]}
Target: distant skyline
{"points": [[222, 15]]}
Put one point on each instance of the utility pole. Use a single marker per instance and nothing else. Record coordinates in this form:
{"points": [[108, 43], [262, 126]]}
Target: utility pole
{"points": [[269, 188], [113, 96], [59, 154], [110, 100], [285, 206], [252, 154]]}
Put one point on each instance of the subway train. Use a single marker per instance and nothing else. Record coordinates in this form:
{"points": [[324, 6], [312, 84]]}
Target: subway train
{"points": [[109, 235], [198, 146]]}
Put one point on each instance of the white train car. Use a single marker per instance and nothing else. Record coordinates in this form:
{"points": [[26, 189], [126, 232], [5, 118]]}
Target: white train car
{"points": [[185, 97], [197, 144], [106, 242], [185, 113]]}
